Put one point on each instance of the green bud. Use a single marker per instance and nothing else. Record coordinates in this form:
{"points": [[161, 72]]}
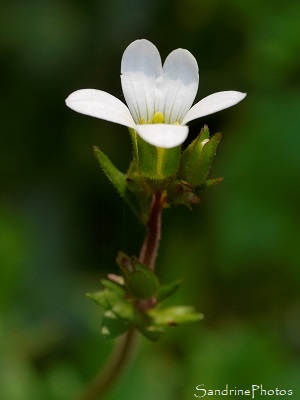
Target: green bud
{"points": [[180, 192], [141, 283]]}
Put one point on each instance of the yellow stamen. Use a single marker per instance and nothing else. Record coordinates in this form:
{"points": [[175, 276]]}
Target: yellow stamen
{"points": [[176, 123], [142, 121], [158, 118]]}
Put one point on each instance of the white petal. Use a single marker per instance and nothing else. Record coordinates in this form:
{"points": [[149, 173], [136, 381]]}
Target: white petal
{"points": [[181, 81], [141, 77], [100, 105], [213, 103], [163, 135]]}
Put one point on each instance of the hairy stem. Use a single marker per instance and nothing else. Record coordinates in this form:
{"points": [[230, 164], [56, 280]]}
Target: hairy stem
{"points": [[128, 342]]}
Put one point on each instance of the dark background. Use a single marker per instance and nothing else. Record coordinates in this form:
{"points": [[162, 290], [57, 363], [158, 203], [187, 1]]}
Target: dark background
{"points": [[62, 223]]}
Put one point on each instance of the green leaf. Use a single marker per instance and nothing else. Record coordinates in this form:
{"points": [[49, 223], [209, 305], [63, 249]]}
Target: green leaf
{"points": [[113, 286], [175, 315], [113, 301], [209, 183], [117, 178], [165, 291], [144, 324], [151, 332], [112, 325]]}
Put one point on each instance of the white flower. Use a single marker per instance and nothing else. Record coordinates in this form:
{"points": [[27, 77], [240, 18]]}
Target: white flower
{"points": [[159, 98]]}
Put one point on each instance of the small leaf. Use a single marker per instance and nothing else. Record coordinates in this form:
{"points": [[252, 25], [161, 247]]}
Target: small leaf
{"points": [[143, 324], [117, 178], [209, 183], [112, 325], [113, 301], [152, 333], [104, 298], [113, 286], [175, 315], [165, 291]]}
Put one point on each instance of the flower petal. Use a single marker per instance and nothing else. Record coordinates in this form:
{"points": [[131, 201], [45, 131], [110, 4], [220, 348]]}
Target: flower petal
{"points": [[141, 77], [181, 81], [163, 135], [213, 103], [99, 104]]}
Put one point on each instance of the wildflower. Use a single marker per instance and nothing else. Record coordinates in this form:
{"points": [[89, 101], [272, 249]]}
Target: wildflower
{"points": [[159, 98]]}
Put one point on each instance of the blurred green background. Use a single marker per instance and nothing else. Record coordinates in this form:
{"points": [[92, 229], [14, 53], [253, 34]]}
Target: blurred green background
{"points": [[62, 223]]}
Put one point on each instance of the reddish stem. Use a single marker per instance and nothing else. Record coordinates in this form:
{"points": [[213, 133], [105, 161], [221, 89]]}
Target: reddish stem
{"points": [[150, 246], [120, 357]]}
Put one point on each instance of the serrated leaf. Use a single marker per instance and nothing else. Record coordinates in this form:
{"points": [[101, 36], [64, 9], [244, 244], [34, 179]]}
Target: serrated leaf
{"points": [[174, 315], [112, 325], [117, 178]]}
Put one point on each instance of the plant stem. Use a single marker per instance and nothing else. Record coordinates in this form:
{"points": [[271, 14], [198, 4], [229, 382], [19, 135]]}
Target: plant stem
{"points": [[151, 243], [127, 344], [118, 360]]}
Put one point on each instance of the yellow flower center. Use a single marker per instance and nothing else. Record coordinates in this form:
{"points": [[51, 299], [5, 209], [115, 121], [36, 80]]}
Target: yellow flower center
{"points": [[158, 118]]}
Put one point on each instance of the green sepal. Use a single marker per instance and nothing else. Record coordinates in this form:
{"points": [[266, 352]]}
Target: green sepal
{"points": [[197, 158], [209, 183], [155, 162], [117, 178], [175, 315], [181, 192], [141, 283], [166, 291]]}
